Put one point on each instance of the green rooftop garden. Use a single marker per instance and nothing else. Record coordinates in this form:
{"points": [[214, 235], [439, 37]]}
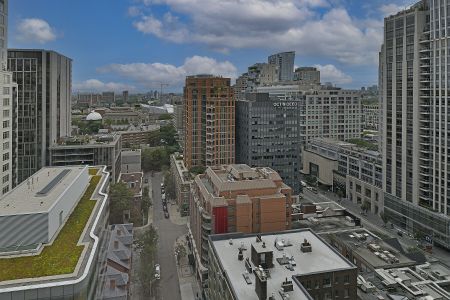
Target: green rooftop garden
{"points": [[62, 256], [364, 144], [93, 171]]}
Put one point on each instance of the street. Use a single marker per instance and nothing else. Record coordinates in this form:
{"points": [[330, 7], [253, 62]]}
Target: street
{"points": [[168, 285]]}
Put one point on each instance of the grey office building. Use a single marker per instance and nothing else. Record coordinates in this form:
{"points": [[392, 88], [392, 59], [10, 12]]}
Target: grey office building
{"points": [[268, 135], [44, 105], [285, 63], [414, 78]]}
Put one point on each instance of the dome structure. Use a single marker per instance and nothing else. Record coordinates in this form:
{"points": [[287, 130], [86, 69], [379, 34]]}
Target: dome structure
{"points": [[93, 116]]}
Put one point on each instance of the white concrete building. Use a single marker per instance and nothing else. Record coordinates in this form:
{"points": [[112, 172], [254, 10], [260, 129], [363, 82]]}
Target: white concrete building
{"points": [[35, 210], [8, 96]]}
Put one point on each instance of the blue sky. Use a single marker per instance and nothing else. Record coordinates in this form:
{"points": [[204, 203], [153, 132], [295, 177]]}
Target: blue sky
{"points": [[138, 44]]}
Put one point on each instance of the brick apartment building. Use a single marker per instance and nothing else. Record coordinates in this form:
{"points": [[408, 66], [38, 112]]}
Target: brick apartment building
{"points": [[209, 117], [236, 198]]}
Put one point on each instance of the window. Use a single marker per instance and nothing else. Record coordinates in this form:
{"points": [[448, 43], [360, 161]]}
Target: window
{"points": [[5, 167], [6, 134], [326, 282], [5, 101], [6, 178], [346, 279], [5, 189], [358, 188], [6, 124], [346, 293], [5, 145], [6, 113], [6, 156], [6, 91]]}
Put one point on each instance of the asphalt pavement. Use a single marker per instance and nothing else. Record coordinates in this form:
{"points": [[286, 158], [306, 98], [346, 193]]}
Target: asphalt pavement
{"points": [[168, 285]]}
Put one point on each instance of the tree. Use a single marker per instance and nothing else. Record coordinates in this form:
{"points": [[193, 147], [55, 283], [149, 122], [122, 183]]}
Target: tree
{"points": [[165, 117], [146, 244], [180, 252], [168, 135], [146, 201], [154, 159], [311, 180], [120, 198], [197, 170], [169, 183]]}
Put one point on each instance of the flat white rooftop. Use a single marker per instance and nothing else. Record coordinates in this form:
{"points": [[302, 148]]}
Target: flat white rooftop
{"points": [[322, 259], [40, 192]]}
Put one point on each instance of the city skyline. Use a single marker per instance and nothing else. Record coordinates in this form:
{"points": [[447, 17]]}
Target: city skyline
{"points": [[139, 44]]}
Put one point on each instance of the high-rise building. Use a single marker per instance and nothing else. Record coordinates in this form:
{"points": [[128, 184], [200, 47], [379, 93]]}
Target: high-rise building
{"points": [[326, 112], [8, 94], [44, 81], [285, 63], [209, 121], [268, 134], [307, 75], [125, 95], [414, 79], [236, 198]]}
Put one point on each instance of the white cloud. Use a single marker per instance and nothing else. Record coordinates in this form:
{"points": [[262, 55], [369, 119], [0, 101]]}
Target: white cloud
{"points": [[151, 74], [273, 24], [95, 85], [329, 73], [168, 28], [392, 8], [133, 11], [35, 30]]}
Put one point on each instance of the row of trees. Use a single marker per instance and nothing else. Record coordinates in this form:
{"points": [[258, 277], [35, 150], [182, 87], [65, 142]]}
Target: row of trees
{"points": [[164, 143], [146, 245], [121, 199]]}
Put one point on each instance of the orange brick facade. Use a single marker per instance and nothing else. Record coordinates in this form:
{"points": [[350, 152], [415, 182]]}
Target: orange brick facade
{"points": [[209, 112]]}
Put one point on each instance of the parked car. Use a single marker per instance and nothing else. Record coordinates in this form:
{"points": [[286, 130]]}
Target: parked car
{"points": [[157, 271], [166, 214]]}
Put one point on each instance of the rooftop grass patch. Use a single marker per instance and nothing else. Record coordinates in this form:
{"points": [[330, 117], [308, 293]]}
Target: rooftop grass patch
{"points": [[62, 256], [93, 171]]}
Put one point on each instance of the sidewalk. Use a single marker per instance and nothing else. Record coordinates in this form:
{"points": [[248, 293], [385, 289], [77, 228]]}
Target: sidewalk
{"points": [[188, 283], [175, 216]]}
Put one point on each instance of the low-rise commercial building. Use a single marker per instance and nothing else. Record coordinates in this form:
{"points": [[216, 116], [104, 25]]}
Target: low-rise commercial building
{"points": [[368, 251], [102, 149], [295, 264], [54, 242], [131, 161], [236, 198], [183, 181], [427, 281], [138, 136], [354, 170]]}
